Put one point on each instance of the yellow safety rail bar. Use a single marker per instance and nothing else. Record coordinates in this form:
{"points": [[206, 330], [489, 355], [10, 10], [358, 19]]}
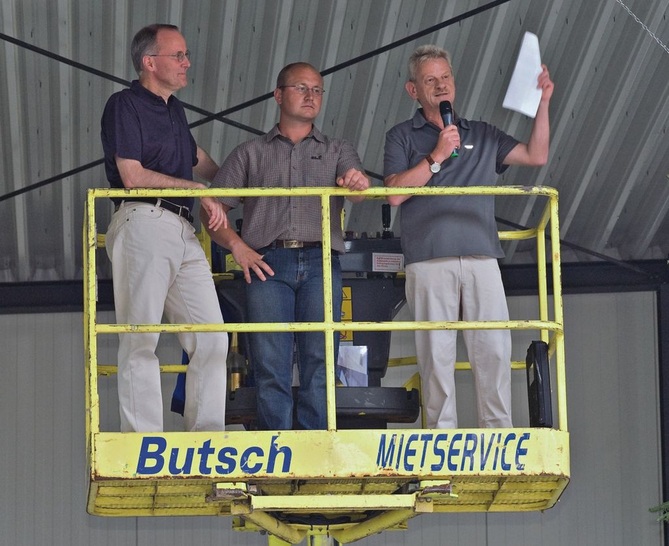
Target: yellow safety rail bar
{"points": [[332, 472]]}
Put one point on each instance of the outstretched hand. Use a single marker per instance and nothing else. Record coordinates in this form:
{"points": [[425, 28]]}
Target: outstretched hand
{"points": [[249, 260]]}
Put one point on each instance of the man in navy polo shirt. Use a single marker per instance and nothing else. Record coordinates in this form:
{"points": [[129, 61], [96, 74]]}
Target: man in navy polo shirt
{"points": [[158, 265], [450, 243]]}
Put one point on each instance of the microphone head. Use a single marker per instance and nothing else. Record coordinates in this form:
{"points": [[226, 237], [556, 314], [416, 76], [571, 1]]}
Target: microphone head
{"points": [[445, 108]]}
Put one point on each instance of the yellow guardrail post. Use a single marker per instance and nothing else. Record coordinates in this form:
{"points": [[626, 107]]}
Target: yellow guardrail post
{"points": [[90, 314], [328, 319], [558, 312], [540, 238]]}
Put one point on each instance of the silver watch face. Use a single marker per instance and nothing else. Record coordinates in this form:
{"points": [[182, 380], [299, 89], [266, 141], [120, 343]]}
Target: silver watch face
{"points": [[435, 167]]}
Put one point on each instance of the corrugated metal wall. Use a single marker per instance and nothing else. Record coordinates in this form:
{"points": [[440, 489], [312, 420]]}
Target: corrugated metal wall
{"points": [[613, 406], [609, 113]]}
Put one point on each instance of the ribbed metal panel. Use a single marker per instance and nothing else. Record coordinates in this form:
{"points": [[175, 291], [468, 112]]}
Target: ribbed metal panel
{"points": [[610, 111]]}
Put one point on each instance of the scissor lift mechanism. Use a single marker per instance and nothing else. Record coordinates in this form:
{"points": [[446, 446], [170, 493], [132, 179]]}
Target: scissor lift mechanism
{"points": [[345, 484]]}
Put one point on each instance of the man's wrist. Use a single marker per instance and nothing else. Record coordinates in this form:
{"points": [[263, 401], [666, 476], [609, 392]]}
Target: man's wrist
{"points": [[435, 166]]}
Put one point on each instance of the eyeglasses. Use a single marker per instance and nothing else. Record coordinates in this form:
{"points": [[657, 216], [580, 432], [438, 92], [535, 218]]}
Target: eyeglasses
{"points": [[180, 56], [302, 89]]}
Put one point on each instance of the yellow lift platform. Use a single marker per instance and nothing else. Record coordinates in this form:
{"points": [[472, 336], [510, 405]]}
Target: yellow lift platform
{"points": [[344, 484]]}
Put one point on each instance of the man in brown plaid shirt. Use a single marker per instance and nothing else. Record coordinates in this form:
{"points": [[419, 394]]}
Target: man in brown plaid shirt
{"points": [[280, 248]]}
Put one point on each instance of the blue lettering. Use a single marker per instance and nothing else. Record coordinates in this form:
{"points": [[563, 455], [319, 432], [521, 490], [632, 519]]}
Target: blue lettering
{"points": [[425, 438], [245, 463], [409, 452], [439, 452], [496, 456], [384, 456], [188, 462], [505, 465], [521, 451], [226, 457], [468, 451], [274, 450], [454, 452], [399, 452], [204, 453], [459, 452], [485, 454], [146, 454]]}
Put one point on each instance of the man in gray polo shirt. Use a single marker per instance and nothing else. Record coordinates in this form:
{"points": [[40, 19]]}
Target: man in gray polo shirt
{"points": [[450, 243], [280, 245]]}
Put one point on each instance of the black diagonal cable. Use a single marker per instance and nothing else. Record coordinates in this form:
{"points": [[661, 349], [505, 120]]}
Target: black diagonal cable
{"points": [[51, 180], [106, 76], [115, 79], [220, 116], [365, 56]]}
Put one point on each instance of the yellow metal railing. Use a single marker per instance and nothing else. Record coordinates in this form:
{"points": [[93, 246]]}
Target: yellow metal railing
{"points": [[397, 473], [551, 331]]}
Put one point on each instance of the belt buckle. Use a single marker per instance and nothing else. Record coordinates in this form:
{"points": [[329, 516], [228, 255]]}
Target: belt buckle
{"points": [[292, 244], [184, 212], [179, 210]]}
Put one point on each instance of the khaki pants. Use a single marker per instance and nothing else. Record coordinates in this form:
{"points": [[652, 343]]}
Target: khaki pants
{"points": [[462, 288], [159, 267]]}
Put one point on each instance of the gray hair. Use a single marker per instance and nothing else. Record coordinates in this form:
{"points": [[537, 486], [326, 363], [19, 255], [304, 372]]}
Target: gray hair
{"points": [[424, 53], [145, 41]]}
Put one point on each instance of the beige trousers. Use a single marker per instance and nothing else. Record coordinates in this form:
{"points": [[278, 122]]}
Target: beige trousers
{"points": [[463, 288], [159, 267]]}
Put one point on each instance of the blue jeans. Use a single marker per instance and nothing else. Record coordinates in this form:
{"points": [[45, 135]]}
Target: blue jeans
{"points": [[293, 294]]}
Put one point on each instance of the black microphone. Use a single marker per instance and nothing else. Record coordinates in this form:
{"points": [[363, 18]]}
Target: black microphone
{"points": [[446, 111]]}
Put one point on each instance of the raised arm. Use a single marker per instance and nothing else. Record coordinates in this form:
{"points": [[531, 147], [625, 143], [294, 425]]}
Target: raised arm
{"points": [[535, 151]]}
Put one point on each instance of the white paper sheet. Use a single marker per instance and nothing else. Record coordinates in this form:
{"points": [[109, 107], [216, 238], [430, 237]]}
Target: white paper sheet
{"points": [[522, 94]]}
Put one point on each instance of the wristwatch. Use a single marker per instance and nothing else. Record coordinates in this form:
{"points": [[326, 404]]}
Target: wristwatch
{"points": [[434, 166]]}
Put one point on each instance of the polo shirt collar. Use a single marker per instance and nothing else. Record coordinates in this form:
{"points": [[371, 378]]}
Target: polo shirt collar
{"points": [[419, 121], [144, 93]]}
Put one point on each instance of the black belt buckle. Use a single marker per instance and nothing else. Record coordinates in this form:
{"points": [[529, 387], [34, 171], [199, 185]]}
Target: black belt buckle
{"points": [[184, 212]]}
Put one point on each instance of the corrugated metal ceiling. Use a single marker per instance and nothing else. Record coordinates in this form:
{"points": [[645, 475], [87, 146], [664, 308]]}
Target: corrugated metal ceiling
{"points": [[610, 113]]}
